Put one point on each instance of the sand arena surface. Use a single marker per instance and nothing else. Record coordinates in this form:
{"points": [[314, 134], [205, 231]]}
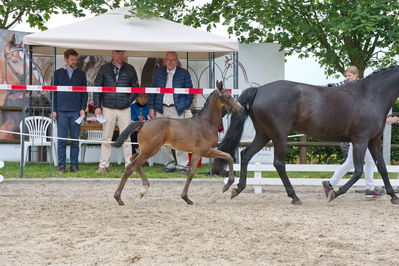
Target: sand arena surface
{"points": [[78, 222]]}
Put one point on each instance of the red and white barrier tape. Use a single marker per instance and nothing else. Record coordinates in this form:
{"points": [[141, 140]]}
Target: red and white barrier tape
{"points": [[55, 138], [113, 89], [91, 141]]}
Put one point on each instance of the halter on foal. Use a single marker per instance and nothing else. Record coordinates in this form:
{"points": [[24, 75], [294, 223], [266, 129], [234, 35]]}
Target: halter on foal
{"points": [[354, 112], [198, 135]]}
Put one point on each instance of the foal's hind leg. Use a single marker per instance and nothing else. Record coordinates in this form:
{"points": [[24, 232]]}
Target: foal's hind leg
{"points": [[144, 181], [257, 144], [133, 166], [128, 171], [214, 153], [191, 171], [143, 156]]}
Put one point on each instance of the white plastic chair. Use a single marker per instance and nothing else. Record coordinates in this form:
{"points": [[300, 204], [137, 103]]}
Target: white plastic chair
{"points": [[95, 135], [37, 127]]}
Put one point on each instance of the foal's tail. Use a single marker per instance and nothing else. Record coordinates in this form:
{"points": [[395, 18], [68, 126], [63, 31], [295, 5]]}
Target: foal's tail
{"points": [[134, 126], [233, 135]]}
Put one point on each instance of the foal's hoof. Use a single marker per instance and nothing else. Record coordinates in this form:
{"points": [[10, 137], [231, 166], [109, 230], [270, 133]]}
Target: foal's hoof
{"points": [[234, 193], [226, 187], [296, 202], [331, 195], [143, 192], [120, 202], [188, 201], [395, 201], [117, 197]]}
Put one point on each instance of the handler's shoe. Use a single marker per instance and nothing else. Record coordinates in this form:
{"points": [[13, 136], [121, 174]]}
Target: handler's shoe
{"points": [[61, 169], [327, 187], [168, 170], [373, 193], [102, 170], [75, 169], [183, 171]]}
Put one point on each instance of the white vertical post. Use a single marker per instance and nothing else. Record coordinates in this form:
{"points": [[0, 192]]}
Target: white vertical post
{"points": [[1, 166], [258, 180], [386, 142]]}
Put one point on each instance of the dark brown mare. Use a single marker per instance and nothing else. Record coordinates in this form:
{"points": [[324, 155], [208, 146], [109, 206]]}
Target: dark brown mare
{"points": [[354, 112], [198, 135]]}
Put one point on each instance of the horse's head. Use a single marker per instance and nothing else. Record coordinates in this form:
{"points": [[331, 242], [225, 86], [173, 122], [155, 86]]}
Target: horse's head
{"points": [[227, 100], [12, 50]]}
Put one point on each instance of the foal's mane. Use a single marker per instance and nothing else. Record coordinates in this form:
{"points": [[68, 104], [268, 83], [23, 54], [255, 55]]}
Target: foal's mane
{"points": [[383, 70], [208, 100]]}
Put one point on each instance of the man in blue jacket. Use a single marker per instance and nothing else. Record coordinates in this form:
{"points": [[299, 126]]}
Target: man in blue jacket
{"points": [[172, 105], [67, 107]]}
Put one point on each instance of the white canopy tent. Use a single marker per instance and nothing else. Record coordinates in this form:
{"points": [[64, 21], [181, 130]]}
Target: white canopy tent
{"points": [[139, 37]]}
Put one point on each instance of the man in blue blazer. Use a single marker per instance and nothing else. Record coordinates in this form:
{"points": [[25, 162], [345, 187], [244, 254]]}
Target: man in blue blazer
{"points": [[172, 105], [67, 107]]}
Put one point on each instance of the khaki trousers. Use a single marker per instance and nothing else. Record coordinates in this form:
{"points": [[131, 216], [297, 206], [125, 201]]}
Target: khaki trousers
{"points": [[181, 157], [122, 118]]}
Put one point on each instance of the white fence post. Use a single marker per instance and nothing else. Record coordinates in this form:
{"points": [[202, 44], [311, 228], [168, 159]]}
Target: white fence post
{"points": [[1, 166]]}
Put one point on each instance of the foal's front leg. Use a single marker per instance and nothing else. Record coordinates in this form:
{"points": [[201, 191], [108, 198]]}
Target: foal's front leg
{"points": [[191, 171], [214, 153]]}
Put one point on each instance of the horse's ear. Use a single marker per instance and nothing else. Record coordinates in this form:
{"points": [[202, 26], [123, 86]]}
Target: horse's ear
{"points": [[13, 40], [219, 85]]}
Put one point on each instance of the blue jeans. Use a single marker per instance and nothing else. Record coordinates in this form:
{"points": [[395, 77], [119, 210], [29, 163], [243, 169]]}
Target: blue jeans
{"points": [[65, 123]]}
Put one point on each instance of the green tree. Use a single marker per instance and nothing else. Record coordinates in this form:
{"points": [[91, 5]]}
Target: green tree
{"points": [[337, 32], [175, 10], [102, 6], [38, 12]]}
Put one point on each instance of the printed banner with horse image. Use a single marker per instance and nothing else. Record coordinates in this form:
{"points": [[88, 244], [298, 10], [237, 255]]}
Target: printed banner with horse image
{"points": [[12, 72]]}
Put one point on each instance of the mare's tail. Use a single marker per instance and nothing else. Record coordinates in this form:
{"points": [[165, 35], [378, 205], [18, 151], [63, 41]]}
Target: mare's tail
{"points": [[233, 135], [134, 126]]}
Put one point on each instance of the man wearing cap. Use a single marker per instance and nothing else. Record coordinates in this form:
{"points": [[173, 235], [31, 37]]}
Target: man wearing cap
{"points": [[172, 105], [114, 107]]}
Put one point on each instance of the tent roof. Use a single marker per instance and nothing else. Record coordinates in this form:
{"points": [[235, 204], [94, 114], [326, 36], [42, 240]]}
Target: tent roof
{"points": [[139, 37]]}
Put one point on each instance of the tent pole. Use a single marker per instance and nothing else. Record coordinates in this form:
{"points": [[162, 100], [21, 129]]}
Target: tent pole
{"points": [[211, 59], [52, 109], [23, 109], [235, 70], [235, 86], [187, 61]]}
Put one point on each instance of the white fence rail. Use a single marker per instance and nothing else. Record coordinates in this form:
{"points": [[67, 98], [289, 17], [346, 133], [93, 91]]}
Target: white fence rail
{"points": [[258, 180]]}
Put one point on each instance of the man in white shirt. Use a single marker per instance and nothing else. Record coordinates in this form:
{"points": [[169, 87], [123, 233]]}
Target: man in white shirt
{"points": [[172, 105]]}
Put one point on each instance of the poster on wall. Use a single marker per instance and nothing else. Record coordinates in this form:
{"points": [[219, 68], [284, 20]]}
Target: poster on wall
{"points": [[12, 72]]}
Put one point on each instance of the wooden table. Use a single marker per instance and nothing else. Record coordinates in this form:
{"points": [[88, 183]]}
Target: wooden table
{"points": [[94, 125]]}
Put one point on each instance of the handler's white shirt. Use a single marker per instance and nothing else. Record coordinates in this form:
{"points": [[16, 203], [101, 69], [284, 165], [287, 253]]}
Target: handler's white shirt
{"points": [[168, 97]]}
